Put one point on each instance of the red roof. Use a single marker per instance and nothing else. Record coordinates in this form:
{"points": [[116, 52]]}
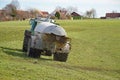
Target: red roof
{"points": [[44, 12], [75, 14]]}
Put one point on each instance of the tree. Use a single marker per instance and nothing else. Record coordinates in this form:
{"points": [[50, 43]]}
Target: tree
{"points": [[15, 3], [71, 9], [11, 9], [114, 11], [91, 13], [34, 12], [88, 14], [57, 14], [58, 8]]}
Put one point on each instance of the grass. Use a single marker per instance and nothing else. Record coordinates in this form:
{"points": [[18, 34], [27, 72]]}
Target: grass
{"points": [[94, 55]]}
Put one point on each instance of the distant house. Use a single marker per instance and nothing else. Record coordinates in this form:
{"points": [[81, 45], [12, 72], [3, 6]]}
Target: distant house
{"points": [[112, 15], [76, 15], [44, 14], [63, 14]]}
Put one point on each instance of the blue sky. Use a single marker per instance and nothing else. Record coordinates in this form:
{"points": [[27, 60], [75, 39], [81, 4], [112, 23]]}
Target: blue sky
{"points": [[101, 6]]}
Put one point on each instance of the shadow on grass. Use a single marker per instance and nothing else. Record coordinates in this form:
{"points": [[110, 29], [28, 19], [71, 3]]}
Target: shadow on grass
{"points": [[19, 53], [13, 52]]}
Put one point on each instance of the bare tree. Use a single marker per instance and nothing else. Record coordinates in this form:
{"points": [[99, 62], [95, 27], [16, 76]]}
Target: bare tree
{"points": [[71, 9], [16, 4], [34, 12], [10, 10], [88, 14], [58, 8], [114, 11], [91, 13]]}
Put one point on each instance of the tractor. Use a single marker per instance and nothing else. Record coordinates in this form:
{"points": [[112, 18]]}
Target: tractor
{"points": [[46, 38]]}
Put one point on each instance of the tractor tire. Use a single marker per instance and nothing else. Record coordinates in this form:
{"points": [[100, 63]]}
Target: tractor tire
{"points": [[60, 57], [34, 53], [27, 36]]}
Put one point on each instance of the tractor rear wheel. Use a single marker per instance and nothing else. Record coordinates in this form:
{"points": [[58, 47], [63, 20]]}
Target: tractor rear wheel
{"points": [[27, 36], [34, 53]]}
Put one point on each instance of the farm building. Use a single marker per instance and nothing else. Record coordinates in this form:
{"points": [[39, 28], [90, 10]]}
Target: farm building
{"points": [[112, 15], [44, 13], [76, 15]]}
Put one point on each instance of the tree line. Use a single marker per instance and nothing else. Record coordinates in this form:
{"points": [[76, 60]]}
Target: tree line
{"points": [[13, 10]]}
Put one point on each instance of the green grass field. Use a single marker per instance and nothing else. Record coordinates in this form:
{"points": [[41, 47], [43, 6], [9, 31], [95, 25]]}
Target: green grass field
{"points": [[95, 53]]}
